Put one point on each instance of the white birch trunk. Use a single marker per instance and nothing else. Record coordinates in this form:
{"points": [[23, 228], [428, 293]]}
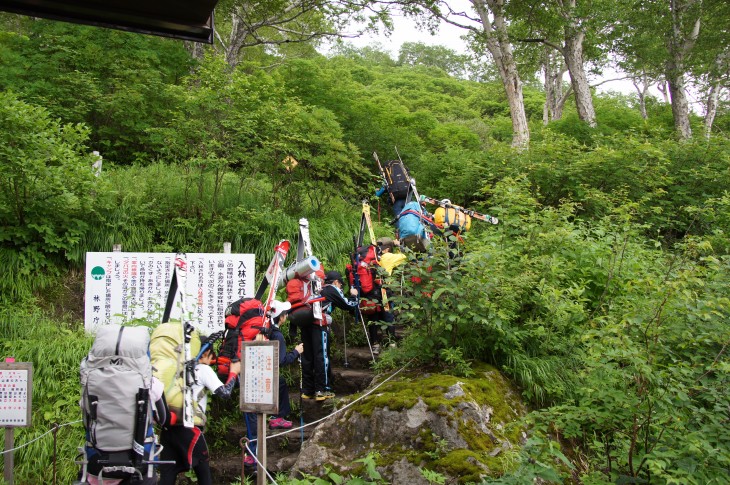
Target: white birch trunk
{"points": [[679, 45], [497, 42], [573, 53], [711, 108], [554, 100]]}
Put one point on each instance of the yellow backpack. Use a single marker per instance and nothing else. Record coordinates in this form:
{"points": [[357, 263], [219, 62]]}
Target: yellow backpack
{"points": [[168, 360], [446, 217]]}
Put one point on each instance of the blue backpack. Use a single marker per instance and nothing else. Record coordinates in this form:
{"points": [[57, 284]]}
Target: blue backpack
{"points": [[410, 222]]}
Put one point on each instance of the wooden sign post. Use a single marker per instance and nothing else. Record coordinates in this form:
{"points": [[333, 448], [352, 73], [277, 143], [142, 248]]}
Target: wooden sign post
{"points": [[260, 391], [16, 392]]}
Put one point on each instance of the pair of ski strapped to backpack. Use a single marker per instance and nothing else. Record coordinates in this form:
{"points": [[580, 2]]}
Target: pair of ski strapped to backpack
{"points": [[401, 185], [304, 280], [117, 381], [361, 272]]}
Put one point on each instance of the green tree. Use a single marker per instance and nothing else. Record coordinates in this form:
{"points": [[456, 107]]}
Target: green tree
{"points": [[114, 82], [47, 184], [417, 53]]}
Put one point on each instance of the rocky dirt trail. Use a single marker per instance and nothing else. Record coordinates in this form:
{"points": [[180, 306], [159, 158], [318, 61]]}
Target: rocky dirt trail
{"points": [[283, 450]]}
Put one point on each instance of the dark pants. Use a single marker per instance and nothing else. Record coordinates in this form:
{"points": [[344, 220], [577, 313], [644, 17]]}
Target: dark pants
{"points": [[316, 369], [398, 206], [375, 325], [187, 447], [251, 431], [284, 405]]}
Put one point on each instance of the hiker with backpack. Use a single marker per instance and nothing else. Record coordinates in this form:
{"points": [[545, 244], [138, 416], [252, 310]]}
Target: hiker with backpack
{"points": [[243, 322], [120, 399], [279, 315], [388, 260], [411, 225], [397, 182], [316, 335], [187, 446], [279, 312]]}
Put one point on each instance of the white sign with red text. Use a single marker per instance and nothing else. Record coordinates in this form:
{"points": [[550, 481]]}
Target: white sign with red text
{"points": [[121, 287]]}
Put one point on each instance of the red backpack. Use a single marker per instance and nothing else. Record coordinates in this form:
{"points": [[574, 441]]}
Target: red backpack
{"points": [[242, 318], [365, 270], [298, 290]]}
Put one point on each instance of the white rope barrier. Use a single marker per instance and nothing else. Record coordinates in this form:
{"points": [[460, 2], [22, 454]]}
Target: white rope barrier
{"points": [[55, 428]]}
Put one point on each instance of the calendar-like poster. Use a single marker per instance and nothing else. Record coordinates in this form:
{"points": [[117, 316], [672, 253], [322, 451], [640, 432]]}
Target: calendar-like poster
{"points": [[16, 392], [260, 377]]}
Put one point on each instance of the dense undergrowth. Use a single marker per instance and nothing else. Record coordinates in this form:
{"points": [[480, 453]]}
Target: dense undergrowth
{"points": [[602, 292]]}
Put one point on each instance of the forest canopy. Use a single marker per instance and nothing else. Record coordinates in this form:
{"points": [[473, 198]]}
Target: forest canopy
{"points": [[602, 293]]}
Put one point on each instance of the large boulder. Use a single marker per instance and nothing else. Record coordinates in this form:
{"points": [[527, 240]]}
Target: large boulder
{"points": [[458, 427]]}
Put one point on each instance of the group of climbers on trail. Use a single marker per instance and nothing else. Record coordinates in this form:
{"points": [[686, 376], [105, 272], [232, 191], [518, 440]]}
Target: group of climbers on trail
{"points": [[133, 381]]}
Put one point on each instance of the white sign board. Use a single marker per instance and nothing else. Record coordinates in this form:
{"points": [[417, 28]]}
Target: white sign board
{"points": [[260, 377], [16, 384], [125, 286]]}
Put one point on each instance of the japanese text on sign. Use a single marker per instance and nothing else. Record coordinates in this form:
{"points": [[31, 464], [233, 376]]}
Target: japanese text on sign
{"points": [[125, 286], [260, 377], [15, 394]]}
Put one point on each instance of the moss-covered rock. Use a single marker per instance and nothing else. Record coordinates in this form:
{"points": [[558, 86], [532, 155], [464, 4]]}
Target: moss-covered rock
{"points": [[456, 426]]}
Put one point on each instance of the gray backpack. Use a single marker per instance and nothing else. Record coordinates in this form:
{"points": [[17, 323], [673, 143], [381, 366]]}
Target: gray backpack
{"points": [[113, 376]]}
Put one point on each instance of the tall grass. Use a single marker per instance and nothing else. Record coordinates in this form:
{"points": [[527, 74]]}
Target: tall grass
{"points": [[55, 352]]}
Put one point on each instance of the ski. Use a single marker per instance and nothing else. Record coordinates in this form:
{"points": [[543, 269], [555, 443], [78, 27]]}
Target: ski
{"points": [[383, 177], [274, 276], [180, 276], [411, 180], [304, 250], [446, 203], [368, 221]]}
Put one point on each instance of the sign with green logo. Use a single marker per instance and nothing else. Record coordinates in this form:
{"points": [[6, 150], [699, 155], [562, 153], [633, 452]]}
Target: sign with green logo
{"points": [[97, 273], [122, 287]]}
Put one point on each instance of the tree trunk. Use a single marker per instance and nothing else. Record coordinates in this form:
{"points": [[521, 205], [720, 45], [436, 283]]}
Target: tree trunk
{"points": [[642, 91], [662, 88], [497, 42], [573, 53], [711, 108], [679, 45], [722, 69], [235, 40], [195, 49], [680, 105], [554, 68]]}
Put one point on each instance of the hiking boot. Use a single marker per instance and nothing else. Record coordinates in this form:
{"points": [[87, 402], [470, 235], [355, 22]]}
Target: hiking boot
{"points": [[322, 395], [249, 462], [279, 423], [307, 395]]}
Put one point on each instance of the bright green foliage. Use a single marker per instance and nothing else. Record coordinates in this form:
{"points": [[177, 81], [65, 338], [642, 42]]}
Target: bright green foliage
{"points": [[622, 343], [47, 189], [113, 81], [55, 349]]}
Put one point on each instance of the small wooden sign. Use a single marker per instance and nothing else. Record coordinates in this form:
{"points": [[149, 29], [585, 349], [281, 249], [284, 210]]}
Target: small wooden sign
{"points": [[16, 393], [260, 377]]}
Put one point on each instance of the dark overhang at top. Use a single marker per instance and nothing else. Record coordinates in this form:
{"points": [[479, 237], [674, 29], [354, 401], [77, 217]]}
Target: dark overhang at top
{"points": [[181, 19]]}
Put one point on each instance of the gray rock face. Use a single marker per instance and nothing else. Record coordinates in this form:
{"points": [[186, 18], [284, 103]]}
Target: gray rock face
{"points": [[446, 428]]}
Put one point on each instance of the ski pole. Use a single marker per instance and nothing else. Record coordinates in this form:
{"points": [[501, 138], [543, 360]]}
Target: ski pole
{"points": [[301, 405], [344, 335], [365, 327]]}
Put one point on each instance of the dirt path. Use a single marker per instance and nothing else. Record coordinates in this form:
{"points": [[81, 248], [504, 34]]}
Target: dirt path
{"points": [[283, 450]]}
